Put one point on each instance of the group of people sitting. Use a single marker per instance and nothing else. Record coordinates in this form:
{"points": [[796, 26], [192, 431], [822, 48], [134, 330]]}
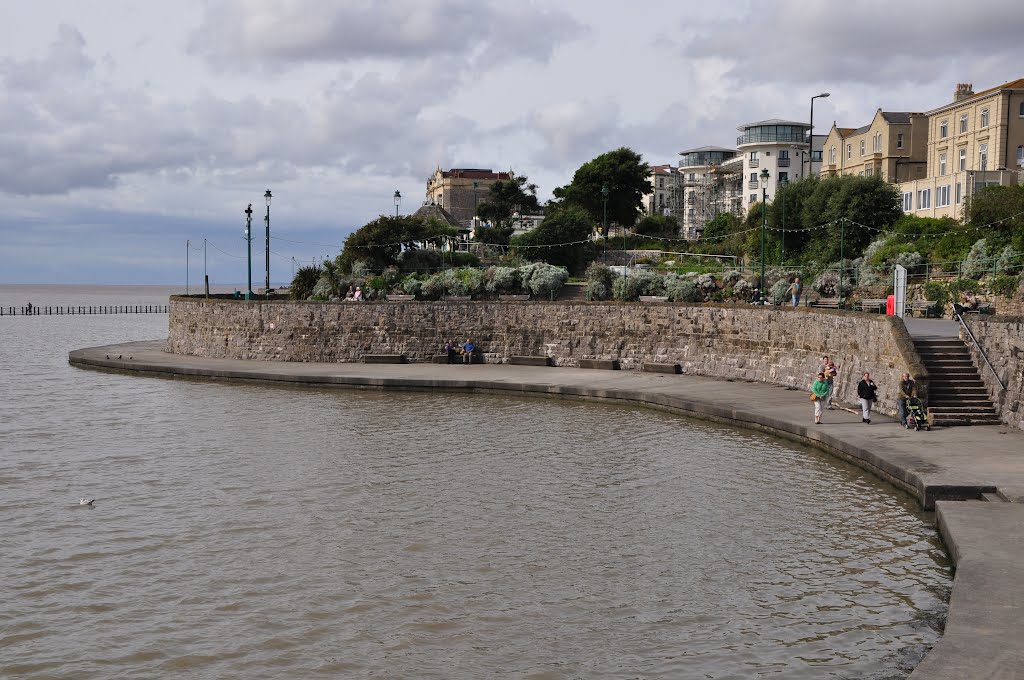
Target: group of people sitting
{"points": [[452, 349]]}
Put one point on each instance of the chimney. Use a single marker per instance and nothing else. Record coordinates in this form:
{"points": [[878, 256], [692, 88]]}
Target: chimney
{"points": [[963, 91]]}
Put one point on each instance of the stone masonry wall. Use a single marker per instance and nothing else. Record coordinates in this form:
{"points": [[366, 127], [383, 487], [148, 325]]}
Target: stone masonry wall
{"points": [[1002, 338], [775, 345]]}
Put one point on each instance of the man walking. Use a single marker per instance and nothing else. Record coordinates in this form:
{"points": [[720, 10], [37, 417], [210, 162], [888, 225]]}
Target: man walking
{"points": [[795, 289], [907, 388]]}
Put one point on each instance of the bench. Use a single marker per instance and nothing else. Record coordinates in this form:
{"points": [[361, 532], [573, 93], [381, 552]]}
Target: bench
{"points": [[828, 303], [401, 298], [606, 364], [919, 306], [383, 358], [477, 358], [514, 298], [662, 368], [874, 305], [982, 308], [530, 361], [653, 298]]}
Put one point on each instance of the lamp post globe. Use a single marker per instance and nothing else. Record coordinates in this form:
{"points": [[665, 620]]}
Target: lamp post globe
{"points": [[266, 286], [398, 201], [764, 201]]}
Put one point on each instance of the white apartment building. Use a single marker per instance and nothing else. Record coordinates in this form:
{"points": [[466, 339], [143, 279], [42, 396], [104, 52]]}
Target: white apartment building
{"points": [[666, 196], [781, 148], [706, 187]]}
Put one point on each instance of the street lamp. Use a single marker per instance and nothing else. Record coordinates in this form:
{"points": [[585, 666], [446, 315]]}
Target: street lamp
{"points": [[810, 137], [398, 201], [248, 237], [266, 287], [764, 201], [783, 183], [604, 224]]}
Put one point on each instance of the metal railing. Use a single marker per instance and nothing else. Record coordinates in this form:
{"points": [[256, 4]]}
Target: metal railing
{"points": [[958, 313]]}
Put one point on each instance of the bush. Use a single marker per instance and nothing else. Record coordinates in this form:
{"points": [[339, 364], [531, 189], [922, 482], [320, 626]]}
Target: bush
{"points": [[1004, 285], [743, 290], [546, 280], [419, 260], [412, 285], [304, 281], [502, 280], [977, 262], [599, 281], [634, 285], [683, 290], [940, 294], [1008, 260]]}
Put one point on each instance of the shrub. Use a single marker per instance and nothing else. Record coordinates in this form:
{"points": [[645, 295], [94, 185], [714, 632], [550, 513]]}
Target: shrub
{"points": [[743, 290], [304, 281], [412, 285], [731, 278], [634, 285], [546, 280], [599, 281], [1007, 260], [1004, 285], [502, 280], [977, 261], [683, 290]]}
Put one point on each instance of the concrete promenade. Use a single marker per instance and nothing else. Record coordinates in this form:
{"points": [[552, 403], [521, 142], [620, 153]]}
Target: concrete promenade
{"points": [[948, 470]]}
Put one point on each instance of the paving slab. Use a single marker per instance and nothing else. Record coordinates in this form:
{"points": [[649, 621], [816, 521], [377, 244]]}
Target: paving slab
{"points": [[985, 628]]}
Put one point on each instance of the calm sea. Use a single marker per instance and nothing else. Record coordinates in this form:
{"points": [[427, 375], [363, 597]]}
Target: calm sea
{"points": [[261, 532]]}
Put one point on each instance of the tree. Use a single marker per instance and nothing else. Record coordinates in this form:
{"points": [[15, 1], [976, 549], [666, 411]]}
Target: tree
{"points": [[504, 199], [380, 242], [562, 239], [664, 226], [625, 174], [1003, 209]]}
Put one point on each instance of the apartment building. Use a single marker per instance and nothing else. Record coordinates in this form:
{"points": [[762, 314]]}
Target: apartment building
{"points": [[976, 140], [460, 190], [778, 146], [894, 146], [666, 196], [708, 190]]}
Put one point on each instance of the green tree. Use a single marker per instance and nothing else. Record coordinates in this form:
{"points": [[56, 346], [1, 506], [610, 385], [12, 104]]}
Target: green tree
{"points": [[664, 226], [1003, 209], [625, 174], [562, 239], [504, 199], [380, 242]]}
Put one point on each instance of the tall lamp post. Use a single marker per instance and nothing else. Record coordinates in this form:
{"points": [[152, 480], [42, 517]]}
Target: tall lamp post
{"points": [[783, 183], [248, 238], [810, 136], [266, 286], [764, 224], [398, 201], [604, 224]]}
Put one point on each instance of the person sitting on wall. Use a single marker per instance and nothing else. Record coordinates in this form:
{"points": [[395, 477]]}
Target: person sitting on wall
{"points": [[358, 296], [970, 300], [351, 293], [450, 350], [467, 351]]}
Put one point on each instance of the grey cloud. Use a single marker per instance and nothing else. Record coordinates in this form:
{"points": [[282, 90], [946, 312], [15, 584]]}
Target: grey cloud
{"points": [[241, 35]]}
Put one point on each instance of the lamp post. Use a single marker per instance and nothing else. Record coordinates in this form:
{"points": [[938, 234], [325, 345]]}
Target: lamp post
{"points": [[764, 201], [604, 224], [266, 286], [398, 201], [783, 183], [248, 238], [810, 137]]}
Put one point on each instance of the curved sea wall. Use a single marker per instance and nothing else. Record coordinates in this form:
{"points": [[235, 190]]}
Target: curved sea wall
{"points": [[1002, 339], [781, 346]]}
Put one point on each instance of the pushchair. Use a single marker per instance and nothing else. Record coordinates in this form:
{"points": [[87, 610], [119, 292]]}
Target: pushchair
{"points": [[916, 417]]}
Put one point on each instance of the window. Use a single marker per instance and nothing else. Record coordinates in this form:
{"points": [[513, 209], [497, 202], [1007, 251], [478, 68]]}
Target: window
{"points": [[942, 196], [963, 123], [908, 201], [849, 151], [983, 156], [753, 178], [924, 199], [984, 118], [942, 164], [661, 182], [959, 192], [1020, 155], [943, 129], [1021, 114], [783, 155], [899, 140], [816, 156], [753, 198], [878, 142], [963, 160], [753, 155], [783, 177], [862, 147], [832, 156]]}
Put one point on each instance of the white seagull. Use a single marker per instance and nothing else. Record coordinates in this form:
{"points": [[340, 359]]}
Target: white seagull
{"points": [[86, 501]]}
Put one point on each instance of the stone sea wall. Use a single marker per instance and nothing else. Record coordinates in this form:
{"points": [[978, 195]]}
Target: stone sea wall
{"points": [[777, 345], [1002, 339]]}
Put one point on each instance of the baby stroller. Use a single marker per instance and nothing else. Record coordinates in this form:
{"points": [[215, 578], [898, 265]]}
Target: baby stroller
{"points": [[916, 417]]}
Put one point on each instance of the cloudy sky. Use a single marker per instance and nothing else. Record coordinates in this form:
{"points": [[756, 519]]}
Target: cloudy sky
{"points": [[130, 128]]}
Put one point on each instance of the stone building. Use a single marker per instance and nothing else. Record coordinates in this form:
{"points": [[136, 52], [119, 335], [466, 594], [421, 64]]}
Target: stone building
{"points": [[460, 190], [894, 146]]}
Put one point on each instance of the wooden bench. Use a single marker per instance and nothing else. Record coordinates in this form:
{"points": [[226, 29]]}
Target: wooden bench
{"points": [[530, 361], [606, 364], [873, 305], [401, 298], [982, 308], [653, 298], [662, 368], [514, 298], [919, 306], [828, 303], [477, 358], [383, 358]]}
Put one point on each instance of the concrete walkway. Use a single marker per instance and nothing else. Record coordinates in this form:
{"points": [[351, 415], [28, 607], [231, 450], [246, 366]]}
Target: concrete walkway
{"points": [[942, 468]]}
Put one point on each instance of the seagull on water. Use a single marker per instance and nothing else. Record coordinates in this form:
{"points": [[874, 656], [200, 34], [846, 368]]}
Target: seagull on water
{"points": [[86, 501]]}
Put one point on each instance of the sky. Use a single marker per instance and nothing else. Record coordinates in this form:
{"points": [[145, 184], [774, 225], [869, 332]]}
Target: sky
{"points": [[134, 132]]}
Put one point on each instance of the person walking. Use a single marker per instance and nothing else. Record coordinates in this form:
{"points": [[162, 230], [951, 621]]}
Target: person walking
{"points": [[819, 390], [795, 289], [907, 389], [867, 390], [830, 370]]}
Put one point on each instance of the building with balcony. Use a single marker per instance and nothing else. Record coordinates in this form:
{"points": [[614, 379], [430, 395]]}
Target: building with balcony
{"points": [[778, 146], [976, 140], [894, 146], [666, 196], [704, 187], [460, 190]]}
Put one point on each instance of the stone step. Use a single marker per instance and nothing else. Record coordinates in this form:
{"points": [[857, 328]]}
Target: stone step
{"points": [[954, 384], [965, 393], [962, 422], [961, 403], [573, 291], [940, 408], [947, 361], [952, 371]]}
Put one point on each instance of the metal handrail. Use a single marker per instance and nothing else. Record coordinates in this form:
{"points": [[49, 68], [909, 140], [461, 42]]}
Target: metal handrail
{"points": [[957, 312]]}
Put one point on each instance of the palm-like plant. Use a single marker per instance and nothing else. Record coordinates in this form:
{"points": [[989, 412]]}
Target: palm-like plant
{"points": [[304, 281]]}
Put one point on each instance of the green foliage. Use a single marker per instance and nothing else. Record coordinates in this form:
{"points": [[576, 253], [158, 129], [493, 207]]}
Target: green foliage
{"points": [[632, 286], [977, 261], [543, 280], [412, 285], [566, 225], [720, 227], [664, 226], [461, 259], [419, 260], [380, 242], [625, 174], [599, 281], [1003, 209], [936, 291], [502, 280], [1004, 284], [303, 282], [680, 289], [504, 198]]}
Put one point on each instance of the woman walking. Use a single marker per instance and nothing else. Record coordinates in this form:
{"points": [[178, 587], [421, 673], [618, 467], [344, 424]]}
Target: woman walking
{"points": [[867, 390], [819, 390]]}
